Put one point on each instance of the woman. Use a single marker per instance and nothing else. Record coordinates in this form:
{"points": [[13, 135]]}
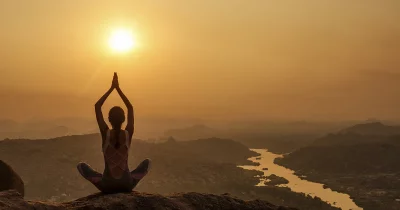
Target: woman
{"points": [[116, 144]]}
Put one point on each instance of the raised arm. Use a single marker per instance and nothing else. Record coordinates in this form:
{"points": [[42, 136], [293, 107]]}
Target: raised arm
{"points": [[130, 120], [99, 114]]}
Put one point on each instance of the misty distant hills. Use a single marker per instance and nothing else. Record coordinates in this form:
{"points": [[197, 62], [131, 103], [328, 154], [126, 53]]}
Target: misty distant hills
{"points": [[10, 129], [198, 131], [372, 128], [354, 139], [374, 132], [278, 137], [37, 134]]}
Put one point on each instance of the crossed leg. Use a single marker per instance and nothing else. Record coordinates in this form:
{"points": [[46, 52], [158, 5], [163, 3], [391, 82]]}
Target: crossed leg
{"points": [[90, 174], [141, 171], [95, 177]]}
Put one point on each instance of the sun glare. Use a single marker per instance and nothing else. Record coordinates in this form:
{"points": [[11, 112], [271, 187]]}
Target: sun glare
{"points": [[122, 40]]}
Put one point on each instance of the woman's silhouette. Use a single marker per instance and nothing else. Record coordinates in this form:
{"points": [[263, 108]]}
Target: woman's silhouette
{"points": [[116, 144]]}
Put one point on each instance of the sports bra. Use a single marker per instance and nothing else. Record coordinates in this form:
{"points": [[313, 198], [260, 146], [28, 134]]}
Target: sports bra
{"points": [[116, 158]]}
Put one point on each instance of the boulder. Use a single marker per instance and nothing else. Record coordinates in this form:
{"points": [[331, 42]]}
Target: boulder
{"points": [[9, 179], [136, 201]]}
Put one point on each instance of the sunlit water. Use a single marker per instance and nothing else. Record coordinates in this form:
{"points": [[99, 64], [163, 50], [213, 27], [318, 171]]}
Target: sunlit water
{"points": [[296, 184]]}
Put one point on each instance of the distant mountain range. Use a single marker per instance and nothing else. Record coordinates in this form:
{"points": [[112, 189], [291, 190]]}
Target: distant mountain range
{"points": [[193, 132], [372, 128], [277, 137], [37, 134], [10, 129], [373, 132]]}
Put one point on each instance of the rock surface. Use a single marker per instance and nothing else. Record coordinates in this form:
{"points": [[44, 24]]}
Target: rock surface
{"points": [[14, 201], [9, 179]]}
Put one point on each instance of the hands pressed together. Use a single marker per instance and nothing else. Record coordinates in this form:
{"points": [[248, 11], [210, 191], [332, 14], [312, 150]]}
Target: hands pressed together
{"points": [[115, 83]]}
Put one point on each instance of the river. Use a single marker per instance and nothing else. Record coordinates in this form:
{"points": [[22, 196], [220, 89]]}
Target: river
{"points": [[296, 184]]}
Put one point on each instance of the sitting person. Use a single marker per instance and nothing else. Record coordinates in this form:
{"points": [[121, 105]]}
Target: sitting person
{"points": [[116, 144]]}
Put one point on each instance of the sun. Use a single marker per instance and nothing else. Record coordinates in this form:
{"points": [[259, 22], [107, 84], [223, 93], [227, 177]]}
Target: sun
{"points": [[122, 40]]}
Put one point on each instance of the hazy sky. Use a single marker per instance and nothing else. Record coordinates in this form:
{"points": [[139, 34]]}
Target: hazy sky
{"points": [[225, 59]]}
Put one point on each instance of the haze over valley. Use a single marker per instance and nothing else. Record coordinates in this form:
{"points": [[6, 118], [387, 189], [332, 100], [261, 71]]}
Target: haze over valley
{"points": [[229, 104]]}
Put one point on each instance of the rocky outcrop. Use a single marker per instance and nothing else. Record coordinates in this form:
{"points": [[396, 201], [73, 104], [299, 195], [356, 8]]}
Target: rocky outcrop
{"points": [[135, 200], [9, 179]]}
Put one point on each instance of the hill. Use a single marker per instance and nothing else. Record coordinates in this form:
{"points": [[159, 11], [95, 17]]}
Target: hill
{"points": [[349, 139], [372, 128], [364, 164], [41, 162], [366, 133], [48, 169]]}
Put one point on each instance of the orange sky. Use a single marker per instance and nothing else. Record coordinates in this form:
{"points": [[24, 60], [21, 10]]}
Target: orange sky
{"points": [[206, 59]]}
